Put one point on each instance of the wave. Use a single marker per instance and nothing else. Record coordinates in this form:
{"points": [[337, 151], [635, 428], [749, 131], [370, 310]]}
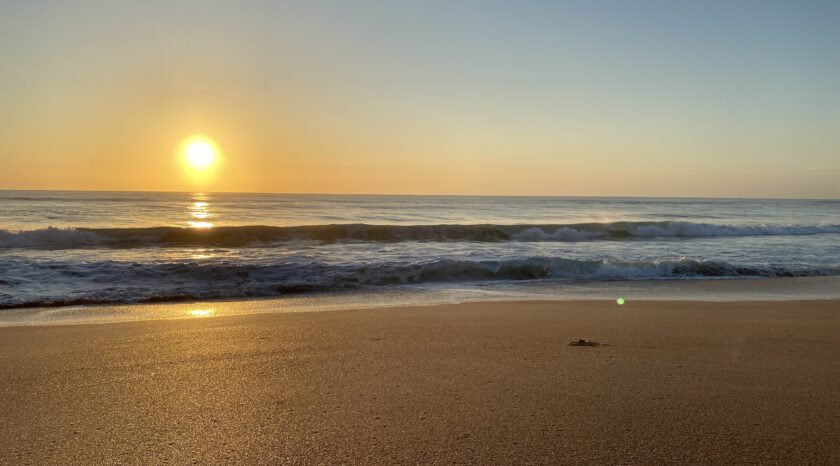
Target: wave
{"points": [[27, 283], [256, 235]]}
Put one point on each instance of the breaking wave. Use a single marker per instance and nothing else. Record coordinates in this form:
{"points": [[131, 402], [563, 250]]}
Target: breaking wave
{"points": [[237, 236], [54, 283]]}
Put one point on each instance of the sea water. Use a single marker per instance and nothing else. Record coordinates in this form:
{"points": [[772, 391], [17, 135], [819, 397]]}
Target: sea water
{"points": [[71, 248]]}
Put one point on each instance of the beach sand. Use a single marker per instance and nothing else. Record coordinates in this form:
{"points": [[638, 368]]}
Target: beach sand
{"points": [[672, 382]]}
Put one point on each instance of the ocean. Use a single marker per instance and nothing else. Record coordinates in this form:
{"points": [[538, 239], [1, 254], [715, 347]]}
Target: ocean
{"points": [[76, 248]]}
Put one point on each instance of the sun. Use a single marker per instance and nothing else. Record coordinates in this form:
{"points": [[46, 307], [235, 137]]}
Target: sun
{"points": [[199, 153]]}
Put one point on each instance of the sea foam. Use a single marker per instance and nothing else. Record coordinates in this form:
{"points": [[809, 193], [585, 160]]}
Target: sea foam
{"points": [[44, 283]]}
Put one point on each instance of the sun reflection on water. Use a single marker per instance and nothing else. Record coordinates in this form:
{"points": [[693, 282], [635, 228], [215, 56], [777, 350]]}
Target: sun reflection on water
{"points": [[201, 254], [199, 209]]}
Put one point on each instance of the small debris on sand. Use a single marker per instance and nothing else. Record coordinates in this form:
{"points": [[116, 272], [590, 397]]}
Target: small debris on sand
{"points": [[584, 343]]}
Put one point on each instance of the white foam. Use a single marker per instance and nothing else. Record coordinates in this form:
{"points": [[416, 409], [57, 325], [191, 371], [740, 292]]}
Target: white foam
{"points": [[37, 283]]}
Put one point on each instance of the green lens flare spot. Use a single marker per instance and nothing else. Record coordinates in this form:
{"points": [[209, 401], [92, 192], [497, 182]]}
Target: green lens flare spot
{"points": [[620, 301]]}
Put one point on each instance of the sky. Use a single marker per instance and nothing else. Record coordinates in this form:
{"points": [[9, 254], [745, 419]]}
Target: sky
{"points": [[591, 98]]}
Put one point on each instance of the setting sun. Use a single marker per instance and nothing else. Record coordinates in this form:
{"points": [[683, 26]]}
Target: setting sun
{"points": [[199, 153]]}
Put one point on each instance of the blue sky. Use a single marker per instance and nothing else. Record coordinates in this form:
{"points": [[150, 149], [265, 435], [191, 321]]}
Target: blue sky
{"points": [[736, 98]]}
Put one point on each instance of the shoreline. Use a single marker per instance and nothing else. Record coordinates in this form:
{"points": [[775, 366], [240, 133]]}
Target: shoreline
{"points": [[701, 290], [675, 382]]}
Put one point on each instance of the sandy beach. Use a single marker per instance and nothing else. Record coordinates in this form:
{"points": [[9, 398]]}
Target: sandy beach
{"points": [[671, 382]]}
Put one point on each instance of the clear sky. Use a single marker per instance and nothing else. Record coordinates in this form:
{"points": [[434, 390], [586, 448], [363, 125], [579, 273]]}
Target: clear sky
{"points": [[664, 98]]}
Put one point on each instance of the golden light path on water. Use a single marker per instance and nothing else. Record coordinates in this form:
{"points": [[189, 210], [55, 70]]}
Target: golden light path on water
{"points": [[199, 211]]}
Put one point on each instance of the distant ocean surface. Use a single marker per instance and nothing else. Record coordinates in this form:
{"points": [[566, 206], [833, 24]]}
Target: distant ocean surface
{"points": [[63, 248]]}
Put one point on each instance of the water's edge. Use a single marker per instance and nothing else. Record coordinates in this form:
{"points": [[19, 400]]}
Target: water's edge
{"points": [[770, 289]]}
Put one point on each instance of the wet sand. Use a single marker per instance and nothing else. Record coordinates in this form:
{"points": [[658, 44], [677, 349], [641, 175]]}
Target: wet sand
{"points": [[672, 382]]}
